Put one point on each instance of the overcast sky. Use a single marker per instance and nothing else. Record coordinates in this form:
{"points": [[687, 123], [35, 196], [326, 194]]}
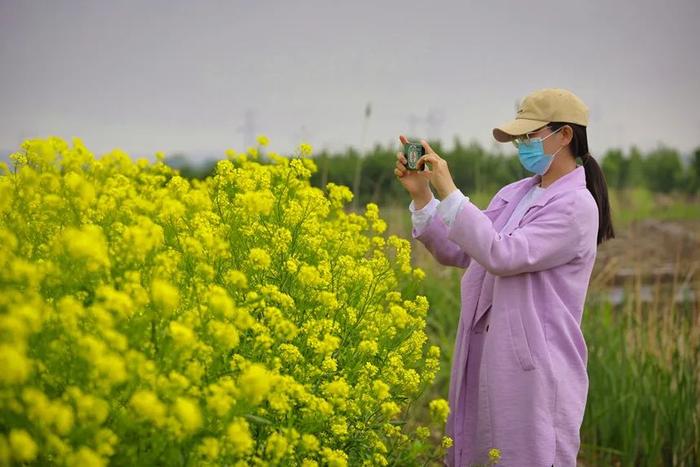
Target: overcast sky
{"points": [[203, 76]]}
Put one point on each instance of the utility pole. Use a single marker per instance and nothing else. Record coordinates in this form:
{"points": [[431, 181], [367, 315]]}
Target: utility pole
{"points": [[361, 155]]}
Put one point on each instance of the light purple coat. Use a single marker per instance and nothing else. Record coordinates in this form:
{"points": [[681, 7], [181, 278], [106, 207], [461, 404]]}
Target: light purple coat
{"points": [[518, 381]]}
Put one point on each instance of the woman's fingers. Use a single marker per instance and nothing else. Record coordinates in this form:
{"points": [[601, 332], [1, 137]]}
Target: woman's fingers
{"points": [[399, 173], [432, 157], [400, 157], [427, 147]]}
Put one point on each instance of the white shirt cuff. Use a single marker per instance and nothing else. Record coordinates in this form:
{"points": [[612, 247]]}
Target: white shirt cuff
{"points": [[421, 217], [449, 207]]}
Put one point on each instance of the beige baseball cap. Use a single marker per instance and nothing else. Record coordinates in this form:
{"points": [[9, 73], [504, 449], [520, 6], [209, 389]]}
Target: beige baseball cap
{"points": [[540, 108]]}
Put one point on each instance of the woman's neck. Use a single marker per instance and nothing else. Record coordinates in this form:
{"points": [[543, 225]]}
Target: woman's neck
{"points": [[555, 173]]}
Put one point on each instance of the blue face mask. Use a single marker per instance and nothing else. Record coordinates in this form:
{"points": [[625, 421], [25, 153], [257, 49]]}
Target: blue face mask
{"points": [[532, 155]]}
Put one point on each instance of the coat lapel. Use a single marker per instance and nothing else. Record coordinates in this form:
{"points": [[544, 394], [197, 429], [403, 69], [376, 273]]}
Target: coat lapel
{"points": [[570, 181], [506, 201]]}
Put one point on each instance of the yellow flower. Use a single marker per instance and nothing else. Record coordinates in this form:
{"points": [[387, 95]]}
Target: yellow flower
{"points": [[439, 410], [256, 202], [390, 409], [399, 316], [182, 335], [142, 238], [423, 432], [494, 455], [339, 428], [89, 408], [187, 412], [338, 388], [338, 194], [111, 367], [259, 258], [106, 441], [305, 149], [276, 446], [225, 333], [446, 442], [147, 405], [62, 418], [16, 367], [165, 296], [209, 448], [368, 347], [23, 447], [309, 442], [381, 389], [379, 459], [372, 212], [239, 436], [255, 382], [326, 346], [308, 275], [334, 457], [419, 274], [263, 140], [87, 244], [237, 279], [85, 457], [329, 364]]}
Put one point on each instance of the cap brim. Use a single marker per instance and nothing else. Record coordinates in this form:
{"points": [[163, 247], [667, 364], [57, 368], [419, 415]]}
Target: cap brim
{"points": [[519, 126]]}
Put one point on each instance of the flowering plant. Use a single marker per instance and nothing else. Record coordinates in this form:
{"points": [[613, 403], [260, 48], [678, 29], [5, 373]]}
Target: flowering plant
{"points": [[244, 319]]}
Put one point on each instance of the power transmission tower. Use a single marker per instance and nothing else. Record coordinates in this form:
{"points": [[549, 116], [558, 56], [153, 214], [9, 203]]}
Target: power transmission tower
{"points": [[434, 121], [413, 120], [248, 129]]}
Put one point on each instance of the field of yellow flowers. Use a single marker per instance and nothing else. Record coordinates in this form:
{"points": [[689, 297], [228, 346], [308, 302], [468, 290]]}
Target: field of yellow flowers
{"points": [[245, 319]]}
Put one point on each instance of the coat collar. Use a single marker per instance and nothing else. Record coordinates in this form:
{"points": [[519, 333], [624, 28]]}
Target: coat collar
{"points": [[570, 181]]}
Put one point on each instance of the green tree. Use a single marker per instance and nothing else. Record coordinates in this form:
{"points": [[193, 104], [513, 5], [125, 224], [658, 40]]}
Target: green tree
{"points": [[614, 167], [694, 172], [663, 169], [634, 177]]}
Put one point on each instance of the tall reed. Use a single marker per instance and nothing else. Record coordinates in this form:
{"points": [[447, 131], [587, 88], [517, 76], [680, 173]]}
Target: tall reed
{"points": [[643, 405]]}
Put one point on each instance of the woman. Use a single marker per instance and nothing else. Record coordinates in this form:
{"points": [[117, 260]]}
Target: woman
{"points": [[518, 380]]}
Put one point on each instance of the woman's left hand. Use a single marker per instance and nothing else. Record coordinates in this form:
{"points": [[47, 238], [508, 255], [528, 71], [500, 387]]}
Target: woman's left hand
{"points": [[439, 175]]}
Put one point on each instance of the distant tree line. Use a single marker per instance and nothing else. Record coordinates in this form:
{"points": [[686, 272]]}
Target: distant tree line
{"points": [[477, 170]]}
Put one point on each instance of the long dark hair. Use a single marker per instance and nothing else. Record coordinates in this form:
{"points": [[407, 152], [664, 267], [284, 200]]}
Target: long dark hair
{"points": [[595, 179]]}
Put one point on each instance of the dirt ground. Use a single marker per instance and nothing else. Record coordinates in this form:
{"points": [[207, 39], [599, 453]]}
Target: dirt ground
{"points": [[652, 249]]}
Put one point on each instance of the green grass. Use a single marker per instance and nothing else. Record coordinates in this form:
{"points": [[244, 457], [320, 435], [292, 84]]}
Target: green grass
{"points": [[644, 372], [639, 203]]}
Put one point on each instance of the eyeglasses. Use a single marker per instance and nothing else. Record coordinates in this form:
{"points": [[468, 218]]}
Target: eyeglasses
{"points": [[526, 138]]}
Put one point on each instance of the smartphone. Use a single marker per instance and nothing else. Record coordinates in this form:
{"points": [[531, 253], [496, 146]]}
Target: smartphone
{"points": [[413, 152]]}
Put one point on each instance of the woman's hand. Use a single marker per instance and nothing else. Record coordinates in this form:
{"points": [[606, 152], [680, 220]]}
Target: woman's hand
{"points": [[439, 176], [415, 181]]}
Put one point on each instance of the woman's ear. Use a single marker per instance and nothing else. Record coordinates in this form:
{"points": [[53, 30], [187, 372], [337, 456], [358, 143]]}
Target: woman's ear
{"points": [[568, 134]]}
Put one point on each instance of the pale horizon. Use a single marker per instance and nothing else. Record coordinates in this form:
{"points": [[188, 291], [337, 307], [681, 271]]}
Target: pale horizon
{"points": [[200, 78]]}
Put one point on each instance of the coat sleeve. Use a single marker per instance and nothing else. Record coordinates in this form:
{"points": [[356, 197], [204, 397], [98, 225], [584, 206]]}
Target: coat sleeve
{"points": [[444, 250], [551, 238]]}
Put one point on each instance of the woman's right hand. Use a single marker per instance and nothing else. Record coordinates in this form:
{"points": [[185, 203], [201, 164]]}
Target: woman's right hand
{"points": [[415, 182]]}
